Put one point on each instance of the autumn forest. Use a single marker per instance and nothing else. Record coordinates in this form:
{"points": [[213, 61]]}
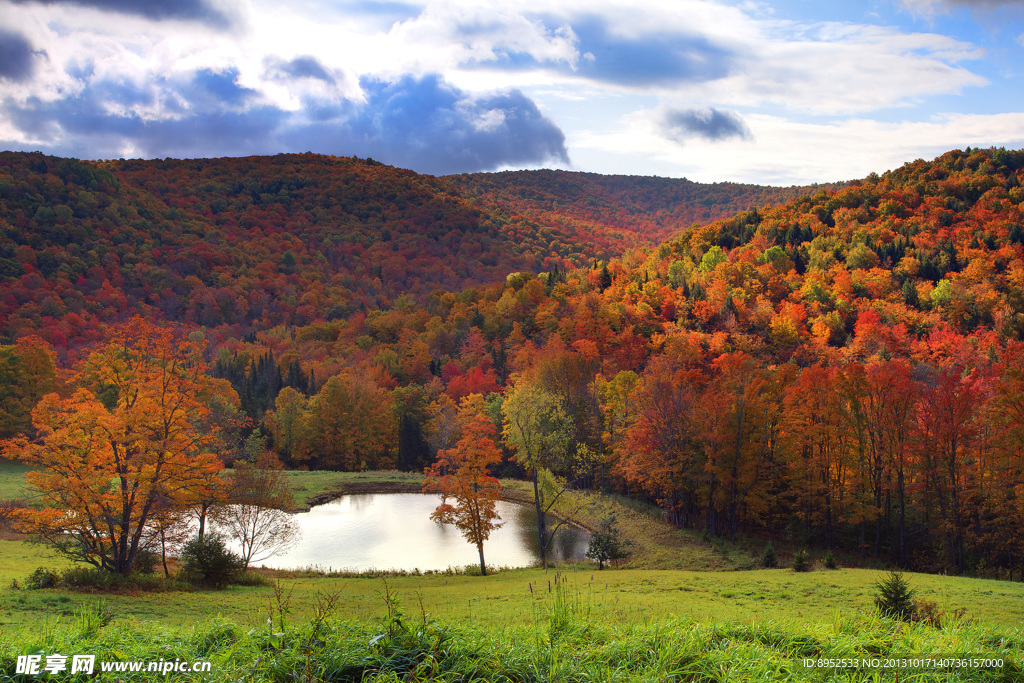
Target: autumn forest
{"points": [[840, 366]]}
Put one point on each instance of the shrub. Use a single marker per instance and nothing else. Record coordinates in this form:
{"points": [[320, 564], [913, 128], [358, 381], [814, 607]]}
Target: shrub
{"points": [[927, 612], [42, 577], [769, 560], [895, 597], [207, 562], [249, 577], [145, 562], [830, 560], [79, 578], [801, 562], [88, 579]]}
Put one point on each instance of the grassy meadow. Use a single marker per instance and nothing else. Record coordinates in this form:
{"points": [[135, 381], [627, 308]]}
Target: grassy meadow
{"points": [[682, 609], [615, 625], [12, 480]]}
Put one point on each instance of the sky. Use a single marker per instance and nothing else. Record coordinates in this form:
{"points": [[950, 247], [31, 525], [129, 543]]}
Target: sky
{"points": [[779, 92]]}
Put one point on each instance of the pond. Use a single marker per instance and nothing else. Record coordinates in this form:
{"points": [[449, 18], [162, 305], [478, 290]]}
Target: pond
{"points": [[394, 531]]}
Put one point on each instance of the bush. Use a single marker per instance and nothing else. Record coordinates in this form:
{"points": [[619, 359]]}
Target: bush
{"points": [[801, 562], [769, 560], [79, 578], [929, 612], [895, 597], [145, 562], [249, 577], [89, 579], [207, 562], [42, 578], [830, 560]]}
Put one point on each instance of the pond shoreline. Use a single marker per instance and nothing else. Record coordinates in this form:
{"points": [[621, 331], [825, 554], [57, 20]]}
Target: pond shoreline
{"points": [[356, 487], [350, 488], [374, 526]]}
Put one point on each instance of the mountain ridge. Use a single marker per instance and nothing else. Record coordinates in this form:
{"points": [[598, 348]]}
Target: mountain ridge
{"points": [[174, 238]]}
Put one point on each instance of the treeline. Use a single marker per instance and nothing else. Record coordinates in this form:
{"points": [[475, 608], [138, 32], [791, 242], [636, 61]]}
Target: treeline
{"points": [[917, 462]]}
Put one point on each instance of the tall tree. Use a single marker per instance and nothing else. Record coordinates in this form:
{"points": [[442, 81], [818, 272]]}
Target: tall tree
{"points": [[659, 451], [741, 414], [882, 400], [949, 427], [27, 373], [256, 510], [461, 474], [537, 428], [284, 422], [819, 445], [348, 426], [106, 467]]}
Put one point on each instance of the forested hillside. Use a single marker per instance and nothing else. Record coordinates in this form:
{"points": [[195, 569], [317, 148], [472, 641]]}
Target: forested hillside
{"points": [[846, 369], [250, 243], [605, 214]]}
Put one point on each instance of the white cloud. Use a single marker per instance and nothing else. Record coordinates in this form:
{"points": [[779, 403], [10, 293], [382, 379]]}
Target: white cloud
{"points": [[583, 62], [449, 34], [841, 69], [786, 152], [729, 57], [826, 68]]}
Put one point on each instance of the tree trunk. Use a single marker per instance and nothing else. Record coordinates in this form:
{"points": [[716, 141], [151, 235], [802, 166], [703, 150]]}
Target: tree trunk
{"points": [[163, 552], [541, 531], [903, 517]]}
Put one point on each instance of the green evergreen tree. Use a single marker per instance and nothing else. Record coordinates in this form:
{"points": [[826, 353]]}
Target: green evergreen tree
{"points": [[606, 543]]}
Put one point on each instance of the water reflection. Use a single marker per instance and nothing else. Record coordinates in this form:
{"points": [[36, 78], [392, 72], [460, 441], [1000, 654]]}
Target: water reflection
{"points": [[394, 531]]}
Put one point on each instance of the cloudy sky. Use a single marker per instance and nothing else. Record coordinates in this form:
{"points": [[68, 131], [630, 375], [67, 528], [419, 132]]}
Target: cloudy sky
{"points": [[773, 92]]}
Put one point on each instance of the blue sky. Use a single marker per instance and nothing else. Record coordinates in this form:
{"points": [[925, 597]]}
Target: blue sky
{"points": [[776, 92]]}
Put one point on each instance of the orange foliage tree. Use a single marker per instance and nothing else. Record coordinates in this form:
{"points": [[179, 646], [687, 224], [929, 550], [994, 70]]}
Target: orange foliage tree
{"points": [[123, 447], [741, 418], [348, 426], [660, 449], [460, 474]]}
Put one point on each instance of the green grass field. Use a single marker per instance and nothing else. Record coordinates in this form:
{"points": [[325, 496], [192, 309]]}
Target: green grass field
{"points": [[615, 625], [12, 480], [522, 596], [684, 609]]}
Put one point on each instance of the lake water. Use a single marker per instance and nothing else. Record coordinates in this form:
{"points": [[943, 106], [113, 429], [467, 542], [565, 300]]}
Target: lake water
{"points": [[394, 531]]}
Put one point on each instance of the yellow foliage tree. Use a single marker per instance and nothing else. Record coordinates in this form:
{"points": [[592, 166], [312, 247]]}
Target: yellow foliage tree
{"points": [[125, 446]]}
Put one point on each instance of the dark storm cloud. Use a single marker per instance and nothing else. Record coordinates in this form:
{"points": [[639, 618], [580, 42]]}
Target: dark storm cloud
{"points": [[193, 10], [430, 126], [300, 67], [16, 56], [423, 124], [209, 90], [709, 124]]}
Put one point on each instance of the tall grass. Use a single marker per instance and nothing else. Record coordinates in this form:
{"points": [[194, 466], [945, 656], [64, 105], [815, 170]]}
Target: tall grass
{"points": [[565, 644]]}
